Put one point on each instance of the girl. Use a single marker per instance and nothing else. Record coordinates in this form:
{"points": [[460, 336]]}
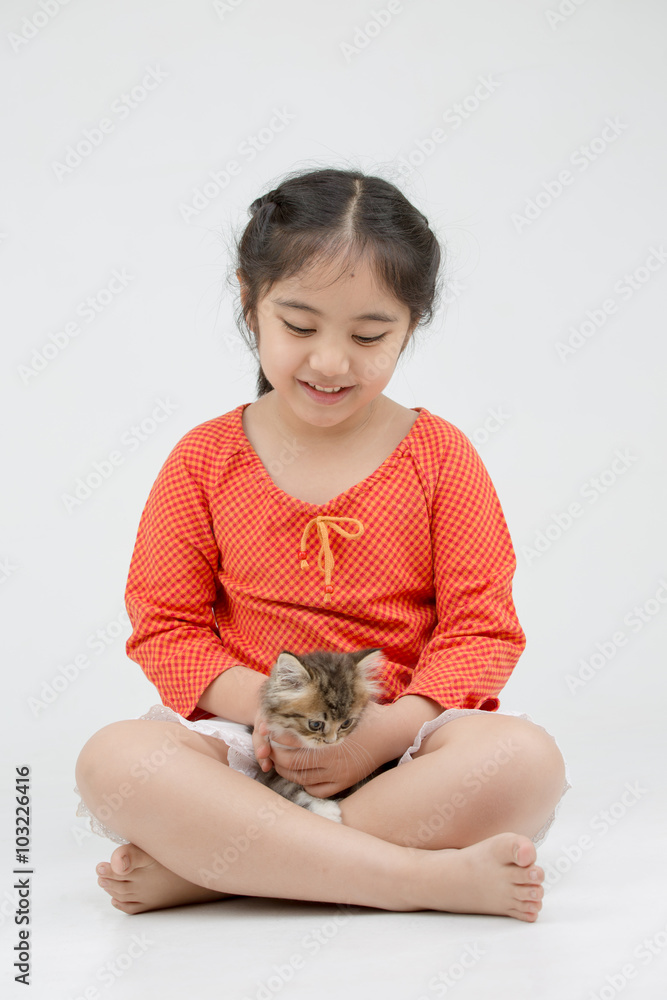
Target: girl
{"points": [[324, 515]]}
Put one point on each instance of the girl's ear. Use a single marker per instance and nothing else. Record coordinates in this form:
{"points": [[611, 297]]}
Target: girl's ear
{"points": [[244, 292], [250, 321], [411, 329], [408, 335]]}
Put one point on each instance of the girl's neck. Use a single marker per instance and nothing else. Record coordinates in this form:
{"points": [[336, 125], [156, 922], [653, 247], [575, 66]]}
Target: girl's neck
{"points": [[285, 424]]}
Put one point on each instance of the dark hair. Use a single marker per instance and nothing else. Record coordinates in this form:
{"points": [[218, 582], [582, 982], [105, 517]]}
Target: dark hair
{"points": [[337, 215]]}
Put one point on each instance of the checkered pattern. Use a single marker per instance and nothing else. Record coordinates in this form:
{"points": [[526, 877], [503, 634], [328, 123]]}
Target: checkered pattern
{"points": [[218, 575]]}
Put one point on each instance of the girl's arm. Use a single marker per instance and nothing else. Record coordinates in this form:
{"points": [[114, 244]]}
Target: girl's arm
{"points": [[171, 586], [477, 639], [234, 694], [399, 723]]}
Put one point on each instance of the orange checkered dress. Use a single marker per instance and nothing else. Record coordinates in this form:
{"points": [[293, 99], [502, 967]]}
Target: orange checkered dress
{"points": [[416, 559]]}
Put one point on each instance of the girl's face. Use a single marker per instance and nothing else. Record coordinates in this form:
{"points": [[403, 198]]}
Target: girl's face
{"points": [[348, 333]]}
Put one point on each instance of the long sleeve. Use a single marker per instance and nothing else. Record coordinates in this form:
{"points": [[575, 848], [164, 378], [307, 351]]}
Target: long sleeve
{"points": [[477, 639], [171, 586]]}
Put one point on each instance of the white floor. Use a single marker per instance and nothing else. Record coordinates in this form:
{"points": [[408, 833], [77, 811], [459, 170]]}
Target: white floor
{"points": [[602, 930]]}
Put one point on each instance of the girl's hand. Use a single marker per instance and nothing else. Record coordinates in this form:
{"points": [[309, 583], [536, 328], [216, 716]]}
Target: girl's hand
{"points": [[325, 771], [260, 742], [264, 752]]}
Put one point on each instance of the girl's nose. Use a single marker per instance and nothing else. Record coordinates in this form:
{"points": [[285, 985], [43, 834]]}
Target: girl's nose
{"points": [[329, 359]]}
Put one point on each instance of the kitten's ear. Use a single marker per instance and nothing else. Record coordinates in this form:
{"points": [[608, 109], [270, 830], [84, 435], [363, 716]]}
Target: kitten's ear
{"points": [[369, 665], [288, 672]]}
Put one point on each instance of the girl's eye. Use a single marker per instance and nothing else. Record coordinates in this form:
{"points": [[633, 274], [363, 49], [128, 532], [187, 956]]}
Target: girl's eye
{"points": [[361, 340], [295, 329], [315, 726]]}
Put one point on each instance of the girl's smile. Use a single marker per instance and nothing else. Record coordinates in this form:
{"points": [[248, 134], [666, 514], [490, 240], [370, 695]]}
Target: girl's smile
{"points": [[326, 396]]}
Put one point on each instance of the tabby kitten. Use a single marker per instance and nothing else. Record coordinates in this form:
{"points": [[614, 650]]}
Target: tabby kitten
{"points": [[318, 697]]}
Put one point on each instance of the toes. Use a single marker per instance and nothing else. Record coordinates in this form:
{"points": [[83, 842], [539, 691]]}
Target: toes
{"points": [[122, 891], [529, 893], [107, 885], [126, 858], [523, 915], [531, 876], [127, 906], [531, 906], [524, 852], [120, 861], [112, 886], [528, 910], [535, 875]]}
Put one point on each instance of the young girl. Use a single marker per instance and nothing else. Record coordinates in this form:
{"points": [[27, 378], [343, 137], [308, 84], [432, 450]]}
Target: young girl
{"points": [[324, 515]]}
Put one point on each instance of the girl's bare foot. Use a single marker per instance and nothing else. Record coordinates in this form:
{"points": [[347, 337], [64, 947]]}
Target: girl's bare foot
{"points": [[498, 876], [145, 884]]}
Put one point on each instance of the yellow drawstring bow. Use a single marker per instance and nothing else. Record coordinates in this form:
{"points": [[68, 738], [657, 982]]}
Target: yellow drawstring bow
{"points": [[325, 559]]}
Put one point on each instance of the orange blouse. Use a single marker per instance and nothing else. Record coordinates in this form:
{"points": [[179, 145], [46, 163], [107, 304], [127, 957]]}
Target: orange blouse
{"points": [[416, 559]]}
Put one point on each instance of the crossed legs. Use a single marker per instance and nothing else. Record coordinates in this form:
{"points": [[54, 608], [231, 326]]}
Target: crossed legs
{"points": [[448, 831]]}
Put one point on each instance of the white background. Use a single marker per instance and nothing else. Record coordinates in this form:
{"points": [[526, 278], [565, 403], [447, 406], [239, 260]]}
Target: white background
{"points": [[516, 288]]}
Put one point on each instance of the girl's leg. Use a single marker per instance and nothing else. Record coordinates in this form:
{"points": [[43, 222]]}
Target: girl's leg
{"points": [[476, 776], [131, 874], [222, 831]]}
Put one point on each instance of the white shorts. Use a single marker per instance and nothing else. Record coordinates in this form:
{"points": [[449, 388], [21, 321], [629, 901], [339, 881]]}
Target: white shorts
{"points": [[241, 755]]}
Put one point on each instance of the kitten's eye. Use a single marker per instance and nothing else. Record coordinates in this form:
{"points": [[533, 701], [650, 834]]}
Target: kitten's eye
{"points": [[346, 724], [315, 726]]}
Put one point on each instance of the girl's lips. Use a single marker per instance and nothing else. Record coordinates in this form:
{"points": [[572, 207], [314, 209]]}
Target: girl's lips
{"points": [[325, 397]]}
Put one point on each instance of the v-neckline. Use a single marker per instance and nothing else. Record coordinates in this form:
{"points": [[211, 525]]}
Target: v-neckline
{"points": [[268, 484]]}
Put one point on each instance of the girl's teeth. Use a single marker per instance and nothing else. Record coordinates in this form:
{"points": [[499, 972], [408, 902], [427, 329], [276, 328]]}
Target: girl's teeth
{"points": [[323, 389]]}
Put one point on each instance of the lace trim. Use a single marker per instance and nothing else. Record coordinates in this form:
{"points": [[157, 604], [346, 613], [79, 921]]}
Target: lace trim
{"points": [[96, 825], [241, 753]]}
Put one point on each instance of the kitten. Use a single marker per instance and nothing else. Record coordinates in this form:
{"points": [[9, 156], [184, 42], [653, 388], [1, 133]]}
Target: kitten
{"points": [[318, 697]]}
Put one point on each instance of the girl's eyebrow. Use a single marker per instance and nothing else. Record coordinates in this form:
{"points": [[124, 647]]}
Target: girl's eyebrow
{"points": [[374, 317]]}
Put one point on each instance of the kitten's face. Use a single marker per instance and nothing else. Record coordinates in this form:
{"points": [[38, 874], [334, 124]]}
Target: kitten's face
{"points": [[320, 696]]}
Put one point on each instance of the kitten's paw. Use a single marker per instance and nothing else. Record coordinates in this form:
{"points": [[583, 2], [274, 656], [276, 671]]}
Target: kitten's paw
{"points": [[327, 808]]}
